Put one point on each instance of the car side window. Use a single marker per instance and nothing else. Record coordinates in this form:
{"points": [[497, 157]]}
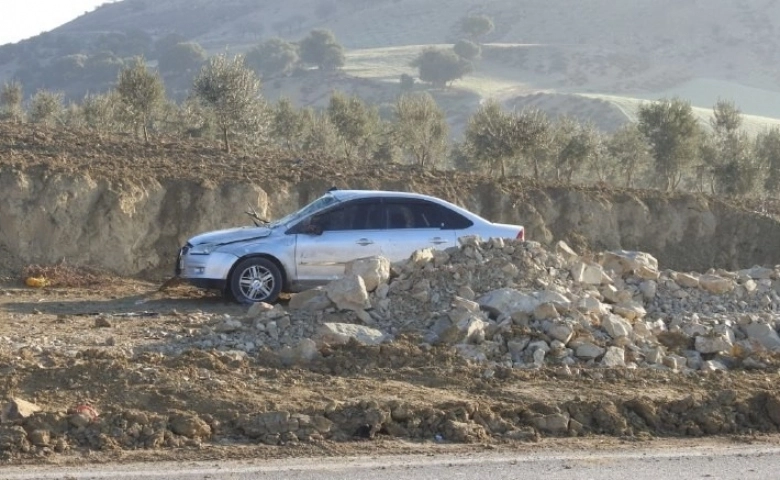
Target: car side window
{"points": [[399, 216], [354, 216], [424, 214]]}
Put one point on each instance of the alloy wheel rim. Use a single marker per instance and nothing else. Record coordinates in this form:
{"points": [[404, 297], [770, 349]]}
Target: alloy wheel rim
{"points": [[256, 283]]}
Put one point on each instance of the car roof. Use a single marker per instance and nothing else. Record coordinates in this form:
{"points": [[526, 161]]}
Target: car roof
{"points": [[343, 195], [352, 194]]}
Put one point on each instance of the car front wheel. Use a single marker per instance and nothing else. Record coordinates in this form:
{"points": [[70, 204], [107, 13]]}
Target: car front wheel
{"points": [[256, 280]]}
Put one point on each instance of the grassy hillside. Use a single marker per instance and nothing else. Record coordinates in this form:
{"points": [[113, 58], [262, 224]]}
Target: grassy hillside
{"points": [[594, 60]]}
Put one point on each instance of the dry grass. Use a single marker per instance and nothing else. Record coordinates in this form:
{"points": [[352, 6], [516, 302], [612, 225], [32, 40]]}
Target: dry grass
{"points": [[63, 275]]}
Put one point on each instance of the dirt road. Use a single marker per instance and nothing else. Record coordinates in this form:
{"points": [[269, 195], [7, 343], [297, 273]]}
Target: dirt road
{"points": [[676, 460]]}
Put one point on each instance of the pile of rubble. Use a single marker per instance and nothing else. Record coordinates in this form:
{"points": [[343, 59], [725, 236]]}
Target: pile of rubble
{"points": [[517, 304]]}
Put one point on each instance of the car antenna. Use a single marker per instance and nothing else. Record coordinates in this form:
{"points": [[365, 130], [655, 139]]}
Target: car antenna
{"points": [[333, 189]]}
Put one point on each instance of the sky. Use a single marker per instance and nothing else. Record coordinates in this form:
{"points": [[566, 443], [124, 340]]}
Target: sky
{"points": [[26, 18]]}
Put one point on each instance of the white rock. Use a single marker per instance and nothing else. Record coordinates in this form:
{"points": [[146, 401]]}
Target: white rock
{"points": [[341, 333], [466, 304], [538, 345], [561, 332], [373, 270], [545, 311], [758, 273], [616, 326], [17, 409], [624, 262], [313, 300], [713, 343], [713, 365], [686, 280], [630, 310], [614, 357], [614, 295], [563, 250], [587, 273], [591, 305], [649, 289], [588, 351], [716, 284], [655, 355], [675, 362], [349, 293], [258, 309], [539, 357], [763, 334]]}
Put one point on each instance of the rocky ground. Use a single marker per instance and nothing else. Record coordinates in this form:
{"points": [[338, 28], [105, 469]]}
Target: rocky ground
{"points": [[491, 343]]}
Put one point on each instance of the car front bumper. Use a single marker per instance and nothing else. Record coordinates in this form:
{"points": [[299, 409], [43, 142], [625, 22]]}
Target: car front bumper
{"points": [[204, 271]]}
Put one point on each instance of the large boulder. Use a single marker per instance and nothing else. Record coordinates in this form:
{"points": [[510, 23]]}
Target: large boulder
{"points": [[716, 284], [313, 300], [349, 293], [373, 270], [624, 262], [764, 334], [342, 333], [587, 273], [17, 409], [507, 301], [616, 326]]}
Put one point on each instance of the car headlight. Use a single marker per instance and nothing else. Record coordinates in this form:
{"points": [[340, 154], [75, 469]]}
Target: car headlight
{"points": [[203, 248]]}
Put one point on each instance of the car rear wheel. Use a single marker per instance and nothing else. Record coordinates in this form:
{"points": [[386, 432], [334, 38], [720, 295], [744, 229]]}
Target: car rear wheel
{"points": [[256, 280]]}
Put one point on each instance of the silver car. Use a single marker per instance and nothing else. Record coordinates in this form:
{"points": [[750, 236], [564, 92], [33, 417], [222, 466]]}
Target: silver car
{"points": [[311, 246]]}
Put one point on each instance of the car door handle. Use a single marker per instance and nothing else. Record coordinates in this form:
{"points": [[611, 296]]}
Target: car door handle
{"points": [[364, 242], [438, 240]]}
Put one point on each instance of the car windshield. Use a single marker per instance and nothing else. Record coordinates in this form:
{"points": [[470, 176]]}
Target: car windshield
{"points": [[314, 206]]}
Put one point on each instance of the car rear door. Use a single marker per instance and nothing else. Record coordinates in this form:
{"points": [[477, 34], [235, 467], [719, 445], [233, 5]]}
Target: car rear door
{"points": [[413, 224], [350, 230]]}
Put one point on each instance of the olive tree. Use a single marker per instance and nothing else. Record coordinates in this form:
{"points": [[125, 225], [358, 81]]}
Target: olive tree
{"points": [[321, 48], [476, 26], [11, 97], [287, 125], [727, 152], [673, 133], [355, 121], [494, 137], [767, 148], [577, 146], [142, 92], [319, 134], [440, 67], [467, 50], [421, 127], [231, 92], [629, 153], [46, 107], [273, 57]]}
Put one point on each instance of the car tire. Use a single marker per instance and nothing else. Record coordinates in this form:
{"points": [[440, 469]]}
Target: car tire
{"points": [[255, 280]]}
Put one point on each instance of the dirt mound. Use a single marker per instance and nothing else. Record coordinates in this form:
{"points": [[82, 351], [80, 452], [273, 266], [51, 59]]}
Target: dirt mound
{"points": [[100, 401]]}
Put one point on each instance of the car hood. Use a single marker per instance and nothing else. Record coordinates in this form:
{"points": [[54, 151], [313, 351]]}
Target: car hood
{"points": [[231, 235]]}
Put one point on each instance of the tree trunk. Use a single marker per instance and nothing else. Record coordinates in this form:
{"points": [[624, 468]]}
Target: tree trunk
{"points": [[225, 140]]}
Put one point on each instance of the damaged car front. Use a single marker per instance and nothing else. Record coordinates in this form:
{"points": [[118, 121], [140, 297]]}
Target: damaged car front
{"points": [[263, 253]]}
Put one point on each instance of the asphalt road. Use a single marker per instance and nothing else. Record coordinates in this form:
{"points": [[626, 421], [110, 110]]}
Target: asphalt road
{"points": [[743, 462]]}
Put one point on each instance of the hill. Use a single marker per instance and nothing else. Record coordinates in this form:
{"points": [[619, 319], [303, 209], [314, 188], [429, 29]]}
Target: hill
{"points": [[618, 53]]}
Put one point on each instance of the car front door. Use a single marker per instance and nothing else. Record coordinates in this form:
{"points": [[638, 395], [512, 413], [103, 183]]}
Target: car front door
{"points": [[413, 225], [326, 242]]}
